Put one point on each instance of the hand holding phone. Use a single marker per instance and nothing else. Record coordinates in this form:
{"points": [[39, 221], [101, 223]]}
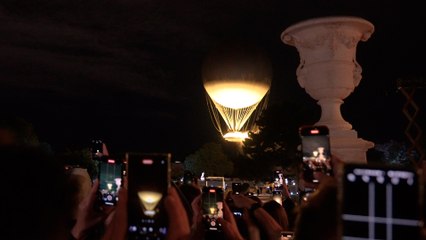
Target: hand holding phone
{"points": [[316, 154], [212, 207], [148, 176], [236, 187], [110, 174]]}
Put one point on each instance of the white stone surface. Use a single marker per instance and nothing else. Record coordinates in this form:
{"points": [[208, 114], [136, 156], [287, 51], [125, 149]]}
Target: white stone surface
{"points": [[329, 72]]}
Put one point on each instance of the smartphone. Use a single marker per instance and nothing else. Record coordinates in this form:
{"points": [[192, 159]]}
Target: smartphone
{"points": [[236, 187], [148, 180], [188, 177], [278, 178], [110, 175], [212, 207], [316, 154], [379, 202], [96, 149]]}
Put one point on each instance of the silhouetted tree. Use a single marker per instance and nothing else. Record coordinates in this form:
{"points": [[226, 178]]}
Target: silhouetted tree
{"points": [[177, 170], [211, 159], [276, 143], [395, 153]]}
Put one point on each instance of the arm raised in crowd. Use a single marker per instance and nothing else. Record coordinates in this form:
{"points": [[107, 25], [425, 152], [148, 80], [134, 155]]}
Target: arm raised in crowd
{"points": [[229, 225], [264, 219], [179, 228], [87, 215], [178, 223]]}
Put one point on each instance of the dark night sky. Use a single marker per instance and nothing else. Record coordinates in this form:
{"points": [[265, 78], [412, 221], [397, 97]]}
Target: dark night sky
{"points": [[129, 72]]}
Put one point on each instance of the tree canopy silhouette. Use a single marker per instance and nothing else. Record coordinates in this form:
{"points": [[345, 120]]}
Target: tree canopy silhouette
{"points": [[211, 159], [276, 143]]}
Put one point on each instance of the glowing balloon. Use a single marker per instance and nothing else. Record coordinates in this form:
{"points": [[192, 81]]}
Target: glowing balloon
{"points": [[237, 79]]}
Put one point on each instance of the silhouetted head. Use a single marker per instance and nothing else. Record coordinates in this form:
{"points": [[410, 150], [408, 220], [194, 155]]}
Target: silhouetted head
{"points": [[35, 195], [317, 218], [16, 131]]}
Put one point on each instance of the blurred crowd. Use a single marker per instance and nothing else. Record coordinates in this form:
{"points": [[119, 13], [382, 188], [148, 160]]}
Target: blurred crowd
{"points": [[42, 200]]}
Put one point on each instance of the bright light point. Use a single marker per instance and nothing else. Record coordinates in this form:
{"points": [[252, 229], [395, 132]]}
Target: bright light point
{"points": [[278, 199], [109, 185], [366, 179], [395, 181], [235, 136], [118, 182], [236, 94], [351, 177], [149, 213]]}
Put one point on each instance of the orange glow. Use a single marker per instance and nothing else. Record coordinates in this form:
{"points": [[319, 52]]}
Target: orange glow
{"points": [[149, 201], [235, 136], [236, 94]]}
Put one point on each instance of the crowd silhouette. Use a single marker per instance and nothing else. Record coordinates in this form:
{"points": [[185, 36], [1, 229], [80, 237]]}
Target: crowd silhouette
{"points": [[42, 199]]}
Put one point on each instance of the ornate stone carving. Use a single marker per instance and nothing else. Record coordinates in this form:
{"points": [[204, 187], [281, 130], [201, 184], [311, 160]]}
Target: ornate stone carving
{"points": [[329, 72]]}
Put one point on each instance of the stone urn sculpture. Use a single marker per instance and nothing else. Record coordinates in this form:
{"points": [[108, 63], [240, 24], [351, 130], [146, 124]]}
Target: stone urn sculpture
{"points": [[329, 72]]}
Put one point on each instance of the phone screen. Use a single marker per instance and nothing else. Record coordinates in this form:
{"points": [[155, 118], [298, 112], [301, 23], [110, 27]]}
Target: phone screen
{"points": [[148, 177], [380, 203], [316, 154], [110, 175], [212, 207], [278, 178]]}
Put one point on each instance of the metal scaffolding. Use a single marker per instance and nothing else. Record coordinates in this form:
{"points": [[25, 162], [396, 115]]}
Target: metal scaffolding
{"points": [[411, 110]]}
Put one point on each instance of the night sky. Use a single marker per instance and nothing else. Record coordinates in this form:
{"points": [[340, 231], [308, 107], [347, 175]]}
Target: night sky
{"points": [[129, 72]]}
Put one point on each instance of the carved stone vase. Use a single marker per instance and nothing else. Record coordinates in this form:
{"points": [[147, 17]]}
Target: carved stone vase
{"points": [[329, 72]]}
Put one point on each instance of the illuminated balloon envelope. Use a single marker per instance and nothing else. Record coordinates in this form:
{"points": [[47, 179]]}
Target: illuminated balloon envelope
{"points": [[149, 201], [237, 80]]}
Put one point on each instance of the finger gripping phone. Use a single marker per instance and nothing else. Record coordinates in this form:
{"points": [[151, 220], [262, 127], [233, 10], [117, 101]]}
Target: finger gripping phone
{"points": [[110, 172], [316, 154], [212, 207], [148, 176]]}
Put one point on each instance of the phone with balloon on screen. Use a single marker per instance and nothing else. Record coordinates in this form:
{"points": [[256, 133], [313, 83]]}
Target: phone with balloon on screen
{"points": [[212, 207], [148, 177], [316, 153], [110, 175]]}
